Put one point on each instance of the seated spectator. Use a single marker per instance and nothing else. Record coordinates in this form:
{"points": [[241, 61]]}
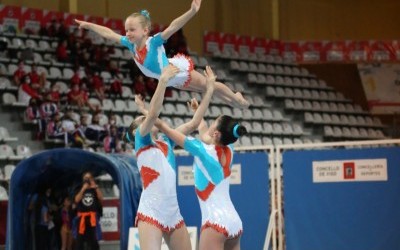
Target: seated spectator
{"points": [[76, 78], [98, 86], [55, 130], [43, 30], [80, 98], [48, 109], [52, 28], [94, 131], [55, 94], [151, 86], [113, 68], [32, 112], [112, 121], [111, 142], [19, 73], [139, 86], [116, 86], [36, 77], [61, 52], [26, 91], [62, 31]]}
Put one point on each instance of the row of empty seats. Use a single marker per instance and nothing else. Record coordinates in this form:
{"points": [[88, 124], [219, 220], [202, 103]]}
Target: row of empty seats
{"points": [[337, 132], [21, 152], [298, 93], [323, 106], [342, 120], [287, 81], [253, 67], [264, 140]]}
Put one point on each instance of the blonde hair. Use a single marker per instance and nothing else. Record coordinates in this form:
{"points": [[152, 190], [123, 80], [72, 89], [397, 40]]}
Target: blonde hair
{"points": [[144, 17]]}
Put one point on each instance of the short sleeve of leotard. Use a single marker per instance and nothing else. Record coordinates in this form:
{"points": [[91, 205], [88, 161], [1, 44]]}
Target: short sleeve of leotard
{"points": [[193, 146], [126, 43], [157, 40], [142, 141]]}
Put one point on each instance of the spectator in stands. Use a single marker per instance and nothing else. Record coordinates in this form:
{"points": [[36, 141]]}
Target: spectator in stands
{"points": [[76, 78], [48, 109], [138, 26], [98, 86], [80, 98], [102, 57], [26, 91], [55, 94], [111, 142], [55, 130], [94, 131], [43, 30], [19, 73], [112, 121], [176, 44], [89, 206], [151, 86], [62, 31], [116, 86], [52, 28], [32, 112], [36, 77], [139, 86], [113, 68], [61, 52]]}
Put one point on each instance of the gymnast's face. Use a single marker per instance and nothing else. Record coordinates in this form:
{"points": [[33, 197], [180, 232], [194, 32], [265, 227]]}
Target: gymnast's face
{"points": [[135, 31]]}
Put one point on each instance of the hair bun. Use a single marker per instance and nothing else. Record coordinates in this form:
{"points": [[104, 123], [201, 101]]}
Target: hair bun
{"points": [[241, 130], [145, 13]]}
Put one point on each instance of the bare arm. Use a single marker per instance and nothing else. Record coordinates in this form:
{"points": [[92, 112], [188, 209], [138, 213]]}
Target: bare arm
{"points": [[79, 196], [103, 31], [171, 133], [139, 100], [157, 99], [179, 22], [193, 124]]}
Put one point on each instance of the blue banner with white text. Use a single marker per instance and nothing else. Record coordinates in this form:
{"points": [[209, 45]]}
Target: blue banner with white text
{"points": [[347, 199]]}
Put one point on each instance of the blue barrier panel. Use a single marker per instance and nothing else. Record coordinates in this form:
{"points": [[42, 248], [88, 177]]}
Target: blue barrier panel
{"points": [[339, 203], [251, 198]]}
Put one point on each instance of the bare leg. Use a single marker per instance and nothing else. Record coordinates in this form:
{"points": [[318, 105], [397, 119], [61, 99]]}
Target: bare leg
{"points": [[211, 240], [221, 91], [149, 236], [63, 239], [178, 239], [232, 244]]}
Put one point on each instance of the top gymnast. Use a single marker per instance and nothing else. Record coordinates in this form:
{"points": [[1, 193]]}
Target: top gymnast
{"points": [[149, 53]]}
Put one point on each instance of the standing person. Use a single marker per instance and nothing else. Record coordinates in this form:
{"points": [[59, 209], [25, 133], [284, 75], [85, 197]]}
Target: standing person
{"points": [[150, 57], [42, 219], [66, 227], [221, 224], [158, 214], [167, 182], [89, 203]]}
